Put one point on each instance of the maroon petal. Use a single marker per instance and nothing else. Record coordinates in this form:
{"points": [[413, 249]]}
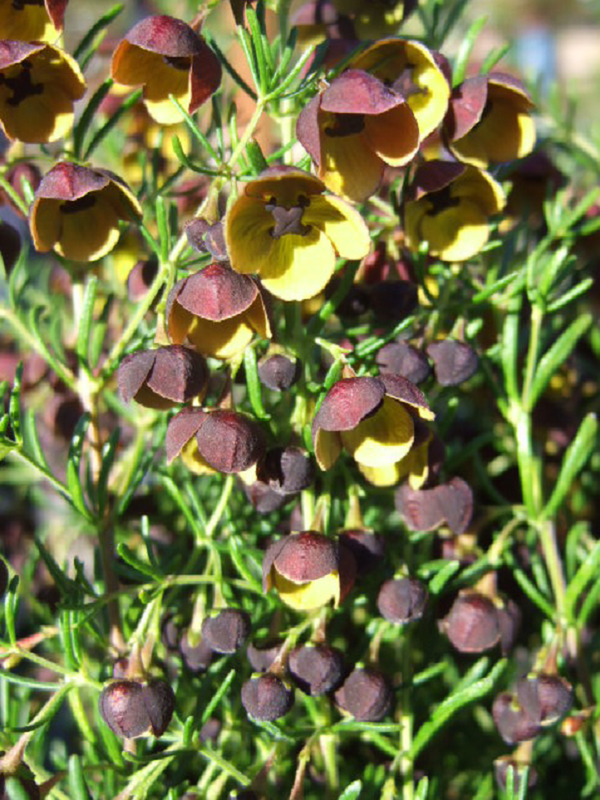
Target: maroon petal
{"points": [[453, 362], [68, 181], [358, 92], [180, 430], [133, 371], [159, 701], [466, 107], [269, 557], [205, 77], [307, 556], [178, 373], [167, 36], [230, 442], [56, 11], [403, 359], [216, 293], [308, 131], [404, 390], [432, 176], [348, 402], [457, 504], [472, 623], [13, 52]]}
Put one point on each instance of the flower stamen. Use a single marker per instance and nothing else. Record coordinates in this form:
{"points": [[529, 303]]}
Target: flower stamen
{"points": [[288, 220]]}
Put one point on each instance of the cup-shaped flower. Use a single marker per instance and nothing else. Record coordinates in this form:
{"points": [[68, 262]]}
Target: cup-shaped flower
{"points": [[39, 85], [131, 708], [371, 418], [427, 509], [489, 120], [32, 20], [373, 19], [308, 570], [288, 232], [451, 209], [353, 128], [162, 378], [77, 211], [413, 71], [167, 57], [218, 311], [219, 440]]}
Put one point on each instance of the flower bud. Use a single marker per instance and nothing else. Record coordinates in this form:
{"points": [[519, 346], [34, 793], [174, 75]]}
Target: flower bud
{"points": [[316, 668], [262, 657], [368, 549], [162, 378], [545, 697], [227, 631], [501, 766], [403, 359], [427, 509], [287, 470], [512, 721], [366, 694], [453, 362], [472, 623], [196, 657], [278, 371], [402, 600], [131, 708], [266, 697]]}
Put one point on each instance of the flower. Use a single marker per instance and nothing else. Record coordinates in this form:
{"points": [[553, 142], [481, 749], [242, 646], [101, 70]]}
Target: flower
{"points": [[427, 509], [375, 18], [372, 418], [167, 57], [217, 311], [353, 129], [489, 120], [288, 232], [219, 440], [31, 20], [423, 461], [450, 210], [308, 570], [39, 85], [77, 210], [413, 71]]}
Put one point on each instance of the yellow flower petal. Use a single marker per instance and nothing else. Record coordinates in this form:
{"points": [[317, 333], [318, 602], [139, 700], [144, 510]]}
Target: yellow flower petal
{"points": [[382, 476], [393, 136], [223, 339], [89, 234], [478, 186], [45, 223], [328, 447], [247, 230], [502, 135], [382, 439], [341, 223], [350, 167], [298, 267], [307, 596], [457, 233], [190, 455], [27, 24]]}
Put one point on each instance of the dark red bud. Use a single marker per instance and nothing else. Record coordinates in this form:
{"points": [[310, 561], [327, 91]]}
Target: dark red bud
{"points": [[162, 378], [131, 708], [512, 722], [316, 668], [453, 362], [230, 442], [227, 631], [428, 509], [266, 697], [403, 359], [278, 372], [546, 698], [472, 623], [402, 600], [367, 548], [501, 766], [366, 694], [287, 470], [262, 657], [196, 657]]}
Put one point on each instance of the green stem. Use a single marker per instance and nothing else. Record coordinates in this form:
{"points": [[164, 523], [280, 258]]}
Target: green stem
{"points": [[537, 316]]}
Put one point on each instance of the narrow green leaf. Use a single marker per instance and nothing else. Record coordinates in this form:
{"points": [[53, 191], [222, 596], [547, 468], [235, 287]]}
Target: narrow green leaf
{"points": [[87, 42], [15, 789], [494, 288], [14, 405], [261, 50], [66, 586], [352, 791], [73, 478], [31, 683], [464, 51], [453, 704], [255, 156], [86, 320], [181, 156], [11, 605], [422, 789], [88, 114], [580, 449], [568, 297], [99, 333], [510, 349], [164, 238], [111, 122], [194, 129], [78, 789], [136, 563], [230, 69], [31, 442], [555, 357], [496, 55], [442, 577], [253, 384], [216, 699], [47, 711], [586, 572], [251, 58]]}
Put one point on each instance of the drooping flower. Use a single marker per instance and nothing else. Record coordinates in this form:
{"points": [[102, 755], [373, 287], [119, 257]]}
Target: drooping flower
{"points": [[39, 85], [288, 232], [31, 20], [413, 71], [371, 418], [167, 57], [489, 120], [376, 18], [423, 461], [77, 211], [451, 209], [353, 128], [217, 311], [308, 570]]}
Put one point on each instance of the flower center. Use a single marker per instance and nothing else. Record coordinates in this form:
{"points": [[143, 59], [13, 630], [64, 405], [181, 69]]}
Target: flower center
{"points": [[405, 83], [440, 201], [178, 62], [73, 206], [346, 125], [288, 220], [19, 5], [21, 84]]}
